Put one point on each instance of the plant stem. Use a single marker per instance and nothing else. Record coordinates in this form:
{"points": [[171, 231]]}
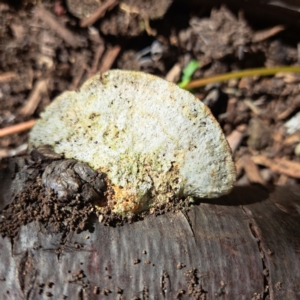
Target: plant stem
{"points": [[240, 74]]}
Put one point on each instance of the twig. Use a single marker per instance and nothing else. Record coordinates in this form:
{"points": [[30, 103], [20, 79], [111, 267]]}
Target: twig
{"points": [[240, 74], [17, 128], [34, 98], [174, 73], [279, 165], [98, 55], [231, 110], [149, 30], [12, 152], [253, 107], [107, 5], [236, 136], [282, 180], [292, 139], [77, 78], [239, 166], [252, 171], [7, 76], [262, 35], [45, 16], [287, 112], [109, 58]]}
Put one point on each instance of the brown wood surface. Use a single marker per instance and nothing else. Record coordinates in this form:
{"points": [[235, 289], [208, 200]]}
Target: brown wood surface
{"points": [[237, 247]]}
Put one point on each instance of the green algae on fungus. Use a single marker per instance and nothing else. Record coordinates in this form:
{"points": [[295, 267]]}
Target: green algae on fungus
{"points": [[154, 140]]}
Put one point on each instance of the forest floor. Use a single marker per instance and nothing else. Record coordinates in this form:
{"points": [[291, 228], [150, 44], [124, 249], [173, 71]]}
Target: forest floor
{"points": [[54, 46]]}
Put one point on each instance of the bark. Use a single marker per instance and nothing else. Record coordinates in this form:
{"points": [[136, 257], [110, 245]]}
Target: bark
{"points": [[245, 245]]}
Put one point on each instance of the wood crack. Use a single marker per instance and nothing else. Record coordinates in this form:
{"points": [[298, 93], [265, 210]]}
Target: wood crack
{"points": [[189, 221], [265, 270]]}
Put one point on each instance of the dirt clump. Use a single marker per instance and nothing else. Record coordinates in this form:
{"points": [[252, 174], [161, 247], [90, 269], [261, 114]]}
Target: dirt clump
{"points": [[55, 191]]}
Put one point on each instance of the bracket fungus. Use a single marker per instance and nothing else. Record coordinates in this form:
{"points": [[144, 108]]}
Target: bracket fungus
{"points": [[154, 141]]}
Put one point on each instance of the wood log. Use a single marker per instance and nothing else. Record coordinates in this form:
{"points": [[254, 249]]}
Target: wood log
{"points": [[245, 245]]}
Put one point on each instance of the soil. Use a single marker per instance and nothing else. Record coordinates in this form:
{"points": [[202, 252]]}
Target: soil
{"points": [[62, 194], [47, 58]]}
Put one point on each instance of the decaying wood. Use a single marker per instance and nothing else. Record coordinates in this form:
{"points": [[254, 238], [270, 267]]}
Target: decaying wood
{"points": [[240, 246]]}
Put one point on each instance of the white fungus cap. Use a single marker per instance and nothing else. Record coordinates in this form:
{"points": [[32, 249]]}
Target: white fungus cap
{"points": [[154, 140]]}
